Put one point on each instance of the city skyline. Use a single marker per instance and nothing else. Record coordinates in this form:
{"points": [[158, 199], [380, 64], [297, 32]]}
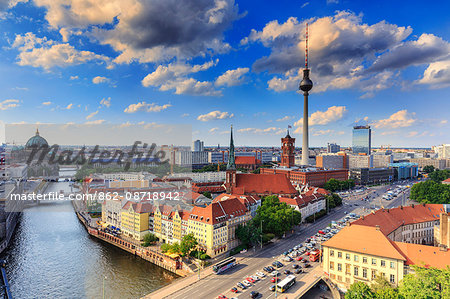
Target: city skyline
{"points": [[235, 64]]}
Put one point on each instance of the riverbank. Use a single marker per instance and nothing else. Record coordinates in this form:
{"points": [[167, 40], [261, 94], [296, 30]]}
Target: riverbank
{"points": [[174, 265]]}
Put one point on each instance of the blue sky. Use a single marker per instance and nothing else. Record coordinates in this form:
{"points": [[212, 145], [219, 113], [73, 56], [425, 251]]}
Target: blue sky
{"points": [[210, 64]]}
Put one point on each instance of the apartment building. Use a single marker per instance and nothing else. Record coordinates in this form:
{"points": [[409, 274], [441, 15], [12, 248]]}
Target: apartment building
{"points": [[135, 219]]}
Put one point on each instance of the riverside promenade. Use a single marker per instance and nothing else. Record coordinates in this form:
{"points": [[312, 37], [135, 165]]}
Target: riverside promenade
{"points": [[153, 255]]}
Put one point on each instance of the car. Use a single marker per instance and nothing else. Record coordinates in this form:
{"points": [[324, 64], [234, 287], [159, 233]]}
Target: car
{"points": [[304, 261], [287, 259], [275, 273], [222, 297], [260, 274], [272, 288], [255, 277], [295, 266], [274, 279], [299, 258], [287, 272], [266, 269], [307, 265], [298, 271], [285, 253], [246, 283], [250, 279], [241, 286], [307, 253], [234, 290], [254, 294]]}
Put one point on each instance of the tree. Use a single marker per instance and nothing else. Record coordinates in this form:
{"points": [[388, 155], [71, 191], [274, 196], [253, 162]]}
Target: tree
{"points": [[388, 293], [335, 185], [439, 175], [428, 168], [380, 283], [359, 290], [149, 239], [188, 243], [426, 283], [207, 194], [165, 247], [430, 192]]}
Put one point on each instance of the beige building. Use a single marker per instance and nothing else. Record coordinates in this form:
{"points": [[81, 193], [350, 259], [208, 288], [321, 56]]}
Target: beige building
{"points": [[360, 161], [437, 163], [360, 253], [442, 231], [111, 210]]}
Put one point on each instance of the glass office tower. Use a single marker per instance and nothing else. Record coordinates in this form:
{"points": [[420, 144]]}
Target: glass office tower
{"points": [[362, 138]]}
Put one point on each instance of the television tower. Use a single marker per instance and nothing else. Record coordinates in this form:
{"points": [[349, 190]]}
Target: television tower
{"points": [[305, 86]]}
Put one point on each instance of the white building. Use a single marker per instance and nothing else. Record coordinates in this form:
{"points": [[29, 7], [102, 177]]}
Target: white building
{"points": [[210, 176], [198, 146], [382, 160], [443, 151], [187, 158], [360, 161]]}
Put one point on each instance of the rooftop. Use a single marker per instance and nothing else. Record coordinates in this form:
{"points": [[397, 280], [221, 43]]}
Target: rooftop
{"points": [[423, 255]]}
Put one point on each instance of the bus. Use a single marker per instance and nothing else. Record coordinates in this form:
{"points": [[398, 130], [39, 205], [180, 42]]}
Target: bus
{"points": [[286, 283], [224, 265], [314, 256]]}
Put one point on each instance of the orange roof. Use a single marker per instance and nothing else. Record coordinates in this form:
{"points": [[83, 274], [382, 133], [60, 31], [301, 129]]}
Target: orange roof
{"points": [[446, 181], [366, 240], [247, 200], [263, 184], [219, 211], [302, 201], [390, 219], [246, 160], [139, 207], [423, 255]]}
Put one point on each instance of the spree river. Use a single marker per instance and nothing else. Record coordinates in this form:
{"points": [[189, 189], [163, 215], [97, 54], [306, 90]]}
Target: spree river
{"points": [[52, 256]]}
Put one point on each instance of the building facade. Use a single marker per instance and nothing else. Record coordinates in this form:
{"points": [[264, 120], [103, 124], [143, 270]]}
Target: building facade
{"points": [[405, 170], [364, 176], [333, 148], [360, 161], [362, 140]]}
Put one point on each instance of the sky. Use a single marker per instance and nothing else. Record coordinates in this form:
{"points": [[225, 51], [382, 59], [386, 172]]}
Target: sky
{"points": [[212, 64]]}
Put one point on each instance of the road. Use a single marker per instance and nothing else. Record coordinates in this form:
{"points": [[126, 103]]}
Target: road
{"points": [[214, 285]]}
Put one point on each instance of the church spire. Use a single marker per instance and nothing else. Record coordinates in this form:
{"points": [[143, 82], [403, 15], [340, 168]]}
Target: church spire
{"points": [[231, 163], [37, 131]]}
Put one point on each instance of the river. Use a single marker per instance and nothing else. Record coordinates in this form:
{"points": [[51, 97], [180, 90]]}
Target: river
{"points": [[52, 256]]}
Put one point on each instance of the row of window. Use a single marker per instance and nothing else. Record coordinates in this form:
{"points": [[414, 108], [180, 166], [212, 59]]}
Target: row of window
{"points": [[365, 260], [347, 279]]}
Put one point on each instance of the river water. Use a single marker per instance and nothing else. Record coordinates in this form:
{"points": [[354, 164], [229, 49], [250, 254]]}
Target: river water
{"points": [[52, 256]]}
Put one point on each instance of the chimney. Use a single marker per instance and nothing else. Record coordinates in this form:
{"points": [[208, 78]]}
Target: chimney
{"points": [[401, 207], [377, 227]]}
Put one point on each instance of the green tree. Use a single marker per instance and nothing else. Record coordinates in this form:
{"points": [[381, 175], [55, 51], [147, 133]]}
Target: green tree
{"points": [[426, 283], [149, 239], [207, 194], [389, 293], [165, 247], [359, 290], [188, 243], [439, 175], [430, 192], [428, 168], [380, 283]]}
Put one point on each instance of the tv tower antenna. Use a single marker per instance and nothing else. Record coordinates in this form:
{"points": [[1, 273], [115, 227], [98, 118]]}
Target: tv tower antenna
{"points": [[306, 48]]}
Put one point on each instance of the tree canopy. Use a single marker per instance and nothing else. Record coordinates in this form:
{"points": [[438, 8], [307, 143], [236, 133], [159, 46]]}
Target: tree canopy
{"points": [[430, 192], [149, 239], [359, 290], [428, 168], [439, 175], [336, 185]]}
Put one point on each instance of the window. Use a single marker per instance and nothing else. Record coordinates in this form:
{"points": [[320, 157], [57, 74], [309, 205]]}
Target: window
{"points": [[356, 258], [364, 260], [339, 267], [339, 254], [392, 278], [331, 252], [392, 265], [347, 256], [374, 274], [347, 269], [383, 263], [364, 272], [331, 265], [374, 261], [355, 271], [339, 278]]}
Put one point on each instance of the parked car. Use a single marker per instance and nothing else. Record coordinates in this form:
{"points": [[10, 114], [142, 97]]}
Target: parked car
{"points": [[241, 286], [234, 290], [272, 288], [299, 258], [295, 266], [274, 279], [298, 271], [254, 294], [246, 283], [275, 273], [287, 272]]}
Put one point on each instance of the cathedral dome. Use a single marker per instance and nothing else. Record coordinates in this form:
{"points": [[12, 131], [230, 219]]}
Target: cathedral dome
{"points": [[36, 141]]}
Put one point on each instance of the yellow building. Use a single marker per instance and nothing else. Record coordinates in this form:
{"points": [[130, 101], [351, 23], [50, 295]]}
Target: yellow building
{"points": [[360, 253], [135, 219], [170, 223]]}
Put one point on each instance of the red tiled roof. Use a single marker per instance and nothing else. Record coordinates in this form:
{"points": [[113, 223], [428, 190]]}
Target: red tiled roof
{"points": [[390, 219], [247, 200], [423, 255], [446, 181], [247, 160], [219, 211], [139, 207], [263, 184], [300, 201]]}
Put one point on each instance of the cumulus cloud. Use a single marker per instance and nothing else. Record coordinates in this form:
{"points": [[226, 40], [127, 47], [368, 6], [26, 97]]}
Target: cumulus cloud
{"points": [[148, 31], [95, 122], [9, 104], [212, 130], [74, 77], [147, 107], [175, 76], [270, 130], [41, 52], [286, 118], [46, 103], [345, 52], [106, 102], [215, 115], [100, 79], [399, 119], [92, 115], [322, 132], [232, 77], [437, 74], [332, 114], [70, 106]]}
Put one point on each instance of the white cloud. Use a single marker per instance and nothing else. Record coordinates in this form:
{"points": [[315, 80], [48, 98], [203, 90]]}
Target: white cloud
{"points": [[74, 77], [147, 107], [232, 77], [286, 118], [70, 106], [41, 52], [443, 122], [304, 5], [185, 115], [100, 79], [212, 130], [95, 122], [9, 103], [46, 103], [215, 115], [322, 132], [106, 102], [399, 119], [437, 74], [332, 114], [92, 115]]}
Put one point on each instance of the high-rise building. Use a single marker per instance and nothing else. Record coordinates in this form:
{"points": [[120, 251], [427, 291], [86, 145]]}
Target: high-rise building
{"points": [[333, 148], [197, 146], [443, 151], [362, 140]]}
